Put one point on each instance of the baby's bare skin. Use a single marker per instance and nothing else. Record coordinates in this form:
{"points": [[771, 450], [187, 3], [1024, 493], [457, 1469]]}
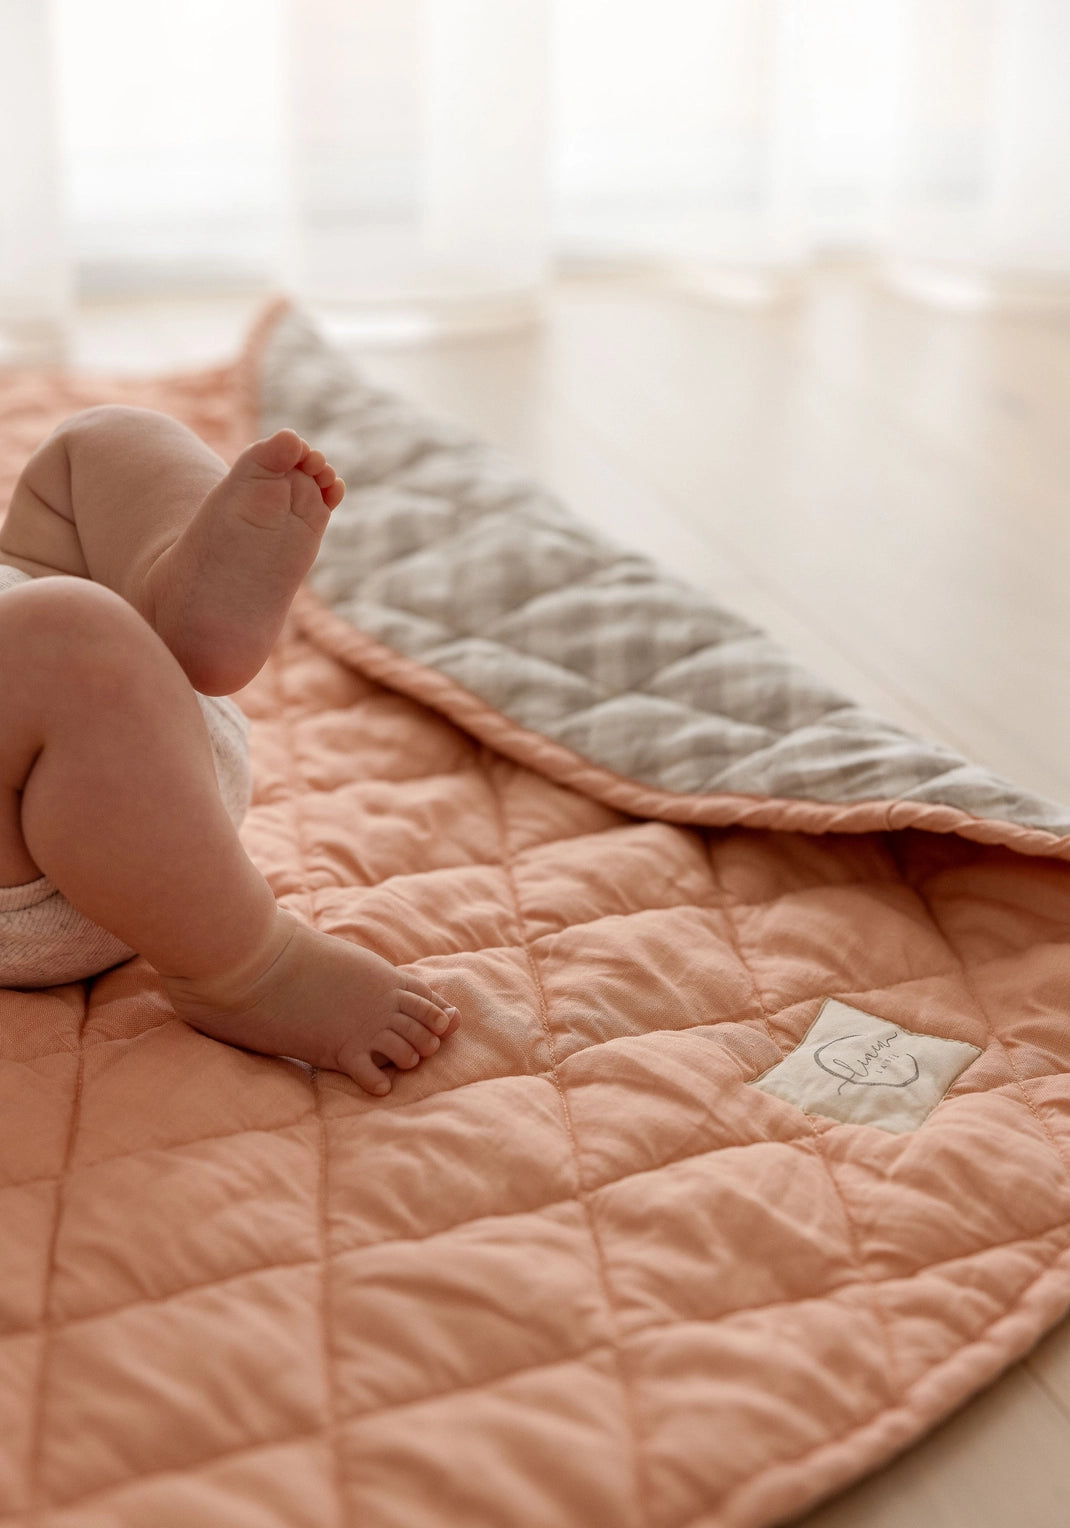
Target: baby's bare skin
{"points": [[103, 799], [220, 593], [323, 1000]]}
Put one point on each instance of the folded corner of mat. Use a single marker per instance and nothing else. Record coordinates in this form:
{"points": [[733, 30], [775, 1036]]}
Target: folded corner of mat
{"points": [[455, 578]]}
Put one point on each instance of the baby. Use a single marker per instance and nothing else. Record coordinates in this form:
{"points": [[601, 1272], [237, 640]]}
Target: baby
{"points": [[142, 583]]}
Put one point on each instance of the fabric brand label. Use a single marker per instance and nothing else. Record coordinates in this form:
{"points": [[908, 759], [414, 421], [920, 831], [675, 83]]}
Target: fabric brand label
{"points": [[863, 1070]]}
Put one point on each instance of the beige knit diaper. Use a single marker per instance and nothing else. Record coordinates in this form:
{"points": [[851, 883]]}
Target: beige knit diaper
{"points": [[43, 940]]}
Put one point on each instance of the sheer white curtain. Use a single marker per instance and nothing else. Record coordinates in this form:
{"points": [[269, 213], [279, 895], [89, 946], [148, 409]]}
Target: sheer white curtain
{"points": [[36, 276], [419, 134], [733, 139], [410, 162]]}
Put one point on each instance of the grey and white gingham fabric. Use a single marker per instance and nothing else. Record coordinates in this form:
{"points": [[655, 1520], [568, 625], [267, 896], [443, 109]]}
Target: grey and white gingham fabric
{"points": [[446, 553]]}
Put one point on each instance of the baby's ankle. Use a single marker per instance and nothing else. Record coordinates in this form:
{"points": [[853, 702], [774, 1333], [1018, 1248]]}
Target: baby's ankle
{"points": [[232, 983]]}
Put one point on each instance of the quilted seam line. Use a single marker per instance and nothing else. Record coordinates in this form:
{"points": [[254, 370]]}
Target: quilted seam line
{"points": [[994, 1036], [1041, 1233], [35, 1458], [177, 1470], [126, 1156], [718, 1519], [879, 1317], [623, 1379], [330, 1381]]}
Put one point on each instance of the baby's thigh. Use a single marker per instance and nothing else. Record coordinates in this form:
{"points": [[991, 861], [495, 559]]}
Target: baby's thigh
{"points": [[16, 866], [38, 535]]}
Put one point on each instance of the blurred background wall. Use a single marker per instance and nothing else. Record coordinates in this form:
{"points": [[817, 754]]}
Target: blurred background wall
{"points": [[422, 163]]}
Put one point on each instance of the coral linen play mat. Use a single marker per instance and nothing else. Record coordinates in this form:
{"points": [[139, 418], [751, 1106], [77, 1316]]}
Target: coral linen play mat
{"points": [[751, 1159]]}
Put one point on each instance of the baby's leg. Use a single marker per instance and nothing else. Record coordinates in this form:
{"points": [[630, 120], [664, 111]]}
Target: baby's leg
{"points": [[211, 557], [104, 741]]}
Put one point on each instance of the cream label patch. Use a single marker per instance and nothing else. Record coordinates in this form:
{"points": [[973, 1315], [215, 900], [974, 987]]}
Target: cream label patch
{"points": [[863, 1070]]}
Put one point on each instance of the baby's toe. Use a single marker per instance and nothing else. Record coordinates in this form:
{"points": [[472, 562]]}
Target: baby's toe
{"points": [[417, 1034], [364, 1072], [278, 453], [427, 1012], [453, 1015], [334, 495], [421, 989], [396, 1049], [413, 984]]}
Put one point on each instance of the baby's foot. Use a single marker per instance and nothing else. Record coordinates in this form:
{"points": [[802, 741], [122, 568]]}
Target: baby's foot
{"points": [[220, 594], [322, 1000]]}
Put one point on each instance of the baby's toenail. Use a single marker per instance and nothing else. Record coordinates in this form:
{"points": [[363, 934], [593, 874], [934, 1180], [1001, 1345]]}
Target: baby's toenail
{"points": [[439, 1022], [382, 1087]]}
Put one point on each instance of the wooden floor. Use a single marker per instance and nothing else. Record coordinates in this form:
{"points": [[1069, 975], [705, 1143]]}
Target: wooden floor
{"points": [[883, 487]]}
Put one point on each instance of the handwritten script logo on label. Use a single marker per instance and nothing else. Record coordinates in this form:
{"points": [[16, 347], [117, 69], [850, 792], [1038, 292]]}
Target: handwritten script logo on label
{"points": [[864, 1062]]}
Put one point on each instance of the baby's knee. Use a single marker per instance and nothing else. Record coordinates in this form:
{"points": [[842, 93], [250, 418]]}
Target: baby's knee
{"points": [[73, 632], [101, 423]]}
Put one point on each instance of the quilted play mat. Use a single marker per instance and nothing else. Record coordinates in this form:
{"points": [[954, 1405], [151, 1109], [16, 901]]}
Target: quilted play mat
{"points": [[750, 1161]]}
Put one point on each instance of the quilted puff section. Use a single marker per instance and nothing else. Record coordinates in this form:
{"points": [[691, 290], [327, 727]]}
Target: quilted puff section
{"points": [[20, 1368], [624, 938], [422, 915], [982, 1172], [707, 1425], [39, 1067], [308, 683], [275, 1485], [656, 741], [208, 1372], [487, 1152], [612, 874], [208, 1211], [660, 969], [416, 1319], [480, 572], [637, 637], [936, 1312], [27, 1216], [838, 939], [363, 833], [551, 1443], [541, 813], [171, 1086], [989, 903], [671, 1238], [753, 868], [1024, 999], [354, 744], [40, 1070], [646, 1101]]}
